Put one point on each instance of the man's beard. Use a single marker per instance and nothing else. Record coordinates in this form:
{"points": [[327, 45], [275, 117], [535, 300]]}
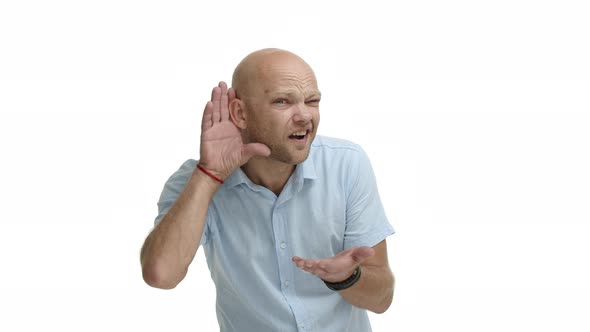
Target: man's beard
{"points": [[282, 151]]}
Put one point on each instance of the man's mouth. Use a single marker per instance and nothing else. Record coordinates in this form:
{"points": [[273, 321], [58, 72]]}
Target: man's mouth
{"points": [[299, 135]]}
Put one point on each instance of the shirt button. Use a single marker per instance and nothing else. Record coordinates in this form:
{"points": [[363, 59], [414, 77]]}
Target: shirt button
{"points": [[302, 326], [286, 283], [283, 245]]}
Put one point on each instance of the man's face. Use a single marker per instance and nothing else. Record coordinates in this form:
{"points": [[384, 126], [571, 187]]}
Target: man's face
{"points": [[283, 110]]}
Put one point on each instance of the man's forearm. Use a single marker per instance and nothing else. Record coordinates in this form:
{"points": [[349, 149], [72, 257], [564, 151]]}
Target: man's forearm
{"points": [[172, 245], [373, 291]]}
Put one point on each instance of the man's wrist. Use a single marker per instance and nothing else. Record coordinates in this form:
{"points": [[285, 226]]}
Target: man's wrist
{"points": [[205, 181], [210, 173], [347, 283]]}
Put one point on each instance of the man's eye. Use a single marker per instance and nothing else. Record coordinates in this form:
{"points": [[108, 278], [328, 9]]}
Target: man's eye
{"points": [[313, 101], [280, 101]]}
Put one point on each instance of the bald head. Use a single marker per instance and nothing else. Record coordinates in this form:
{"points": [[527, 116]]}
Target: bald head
{"points": [[277, 103], [259, 66]]}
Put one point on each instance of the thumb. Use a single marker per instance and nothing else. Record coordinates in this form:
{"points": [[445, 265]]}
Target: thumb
{"points": [[360, 254], [255, 149]]}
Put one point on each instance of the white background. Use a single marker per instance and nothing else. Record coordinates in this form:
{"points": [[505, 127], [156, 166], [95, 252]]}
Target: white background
{"points": [[475, 116]]}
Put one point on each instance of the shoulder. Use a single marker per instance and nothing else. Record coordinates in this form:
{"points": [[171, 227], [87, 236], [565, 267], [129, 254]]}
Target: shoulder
{"points": [[186, 169], [327, 148], [337, 160], [334, 145], [181, 176], [188, 166]]}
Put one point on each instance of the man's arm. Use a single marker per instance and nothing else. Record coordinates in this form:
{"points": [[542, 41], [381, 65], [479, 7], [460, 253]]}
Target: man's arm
{"points": [[373, 290], [171, 246]]}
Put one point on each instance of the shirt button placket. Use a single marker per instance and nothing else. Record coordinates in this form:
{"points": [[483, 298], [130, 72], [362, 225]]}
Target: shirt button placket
{"points": [[286, 269]]}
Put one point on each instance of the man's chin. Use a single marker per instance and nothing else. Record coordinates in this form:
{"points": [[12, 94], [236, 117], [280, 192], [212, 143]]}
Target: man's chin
{"points": [[292, 157], [301, 156]]}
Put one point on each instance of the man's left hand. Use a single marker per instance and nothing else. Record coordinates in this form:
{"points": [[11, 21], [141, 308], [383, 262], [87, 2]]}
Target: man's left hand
{"points": [[336, 268]]}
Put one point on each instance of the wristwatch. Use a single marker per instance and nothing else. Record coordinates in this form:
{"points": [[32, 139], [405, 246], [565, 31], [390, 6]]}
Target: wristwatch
{"points": [[344, 284]]}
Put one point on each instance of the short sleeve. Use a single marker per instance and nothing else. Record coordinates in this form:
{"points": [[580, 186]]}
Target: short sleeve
{"points": [[366, 223], [172, 190]]}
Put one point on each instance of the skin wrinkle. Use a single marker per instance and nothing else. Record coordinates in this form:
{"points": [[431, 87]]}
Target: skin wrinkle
{"points": [[260, 80]]}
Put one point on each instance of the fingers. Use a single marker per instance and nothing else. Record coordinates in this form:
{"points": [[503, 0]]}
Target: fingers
{"points": [[255, 149], [220, 97], [216, 100], [360, 254], [300, 262], [231, 93], [313, 266], [338, 267], [224, 105], [207, 121], [310, 265]]}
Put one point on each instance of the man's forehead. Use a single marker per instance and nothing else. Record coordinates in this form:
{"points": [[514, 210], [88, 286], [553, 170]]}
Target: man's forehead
{"points": [[275, 71], [290, 82]]}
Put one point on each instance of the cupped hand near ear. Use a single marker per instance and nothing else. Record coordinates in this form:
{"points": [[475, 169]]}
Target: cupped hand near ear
{"points": [[336, 268], [222, 149]]}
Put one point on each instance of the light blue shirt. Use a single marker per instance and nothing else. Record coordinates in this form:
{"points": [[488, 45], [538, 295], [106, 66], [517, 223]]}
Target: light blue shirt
{"points": [[329, 204]]}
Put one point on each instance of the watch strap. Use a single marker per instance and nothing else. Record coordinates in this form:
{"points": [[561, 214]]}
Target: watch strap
{"points": [[344, 284]]}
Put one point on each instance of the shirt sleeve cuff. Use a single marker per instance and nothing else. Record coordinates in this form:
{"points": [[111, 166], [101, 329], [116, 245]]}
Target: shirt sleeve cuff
{"points": [[373, 238]]}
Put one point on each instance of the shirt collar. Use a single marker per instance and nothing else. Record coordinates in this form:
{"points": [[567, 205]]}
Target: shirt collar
{"points": [[305, 170]]}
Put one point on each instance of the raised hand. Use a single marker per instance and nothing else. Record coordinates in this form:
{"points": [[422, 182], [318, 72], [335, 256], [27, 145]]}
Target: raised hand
{"points": [[336, 268], [222, 149]]}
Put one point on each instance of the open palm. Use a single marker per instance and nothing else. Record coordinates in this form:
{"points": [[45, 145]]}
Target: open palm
{"points": [[338, 267], [222, 149]]}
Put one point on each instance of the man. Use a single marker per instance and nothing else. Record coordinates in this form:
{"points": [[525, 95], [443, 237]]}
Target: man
{"points": [[292, 225]]}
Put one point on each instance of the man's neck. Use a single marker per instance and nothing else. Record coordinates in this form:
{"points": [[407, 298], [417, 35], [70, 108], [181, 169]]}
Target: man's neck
{"points": [[268, 173]]}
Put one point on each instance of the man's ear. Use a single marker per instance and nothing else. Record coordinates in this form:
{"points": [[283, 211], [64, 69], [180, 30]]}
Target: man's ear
{"points": [[237, 113]]}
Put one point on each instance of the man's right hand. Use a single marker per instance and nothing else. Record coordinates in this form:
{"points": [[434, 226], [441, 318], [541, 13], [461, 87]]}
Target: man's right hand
{"points": [[222, 148]]}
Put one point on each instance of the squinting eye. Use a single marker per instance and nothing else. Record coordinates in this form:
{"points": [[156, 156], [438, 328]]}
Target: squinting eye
{"points": [[280, 101], [315, 101]]}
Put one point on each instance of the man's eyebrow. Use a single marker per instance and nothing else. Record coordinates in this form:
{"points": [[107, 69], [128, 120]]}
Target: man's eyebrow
{"points": [[314, 93]]}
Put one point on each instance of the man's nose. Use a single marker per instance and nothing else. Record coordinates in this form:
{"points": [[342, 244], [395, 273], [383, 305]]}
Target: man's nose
{"points": [[302, 114]]}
